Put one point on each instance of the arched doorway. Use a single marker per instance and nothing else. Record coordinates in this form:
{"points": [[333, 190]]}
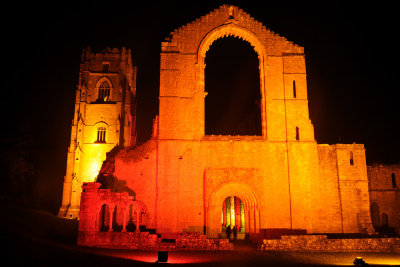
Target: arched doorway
{"points": [[233, 218], [136, 216], [215, 206]]}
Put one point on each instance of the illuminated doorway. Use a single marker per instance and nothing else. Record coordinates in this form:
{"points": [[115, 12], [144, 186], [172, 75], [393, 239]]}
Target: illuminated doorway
{"points": [[233, 218]]}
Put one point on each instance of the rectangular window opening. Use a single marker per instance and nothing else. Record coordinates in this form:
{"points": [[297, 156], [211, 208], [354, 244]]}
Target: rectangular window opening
{"points": [[294, 89]]}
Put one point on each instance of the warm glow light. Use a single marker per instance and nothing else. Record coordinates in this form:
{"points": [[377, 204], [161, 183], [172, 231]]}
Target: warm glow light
{"points": [[174, 257], [93, 166], [346, 259], [185, 257], [94, 170], [232, 199]]}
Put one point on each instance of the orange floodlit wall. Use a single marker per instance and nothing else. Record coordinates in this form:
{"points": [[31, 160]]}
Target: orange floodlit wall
{"points": [[283, 178]]}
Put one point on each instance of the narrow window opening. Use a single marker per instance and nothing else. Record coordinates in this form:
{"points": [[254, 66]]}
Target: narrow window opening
{"points": [[294, 89], [394, 183], [297, 133], [101, 135], [351, 158]]}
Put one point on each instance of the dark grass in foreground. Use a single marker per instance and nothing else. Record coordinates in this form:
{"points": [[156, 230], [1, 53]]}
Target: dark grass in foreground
{"points": [[38, 238]]}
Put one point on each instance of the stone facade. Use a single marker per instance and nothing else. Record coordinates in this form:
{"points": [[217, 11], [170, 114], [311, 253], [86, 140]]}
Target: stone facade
{"points": [[283, 178], [106, 220], [104, 117], [384, 186]]}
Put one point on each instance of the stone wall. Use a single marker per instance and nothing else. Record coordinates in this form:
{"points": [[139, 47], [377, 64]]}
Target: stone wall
{"points": [[385, 196], [197, 241], [146, 241], [119, 240], [182, 78], [320, 243]]}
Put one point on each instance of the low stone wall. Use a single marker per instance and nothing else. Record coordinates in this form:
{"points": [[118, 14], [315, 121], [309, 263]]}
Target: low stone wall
{"points": [[146, 241], [197, 241], [119, 240], [320, 243]]}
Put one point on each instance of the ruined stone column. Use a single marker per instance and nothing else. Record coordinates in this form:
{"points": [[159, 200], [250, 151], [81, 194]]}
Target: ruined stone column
{"points": [[124, 219], [111, 214], [137, 222]]}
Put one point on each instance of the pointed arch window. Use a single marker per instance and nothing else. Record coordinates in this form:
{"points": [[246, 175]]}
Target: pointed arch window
{"points": [[101, 135], [104, 92]]}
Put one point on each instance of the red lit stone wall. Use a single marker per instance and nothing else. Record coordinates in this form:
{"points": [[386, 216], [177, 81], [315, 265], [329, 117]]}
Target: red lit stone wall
{"points": [[115, 234]]}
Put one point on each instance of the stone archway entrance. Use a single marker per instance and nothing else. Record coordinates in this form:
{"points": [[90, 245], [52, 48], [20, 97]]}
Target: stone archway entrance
{"points": [[245, 197], [233, 219]]}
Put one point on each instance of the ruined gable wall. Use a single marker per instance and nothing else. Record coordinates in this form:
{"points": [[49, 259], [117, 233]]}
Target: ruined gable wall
{"points": [[187, 38], [182, 76]]}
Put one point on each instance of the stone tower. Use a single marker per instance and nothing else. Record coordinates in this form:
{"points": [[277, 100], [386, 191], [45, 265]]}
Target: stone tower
{"points": [[104, 117]]}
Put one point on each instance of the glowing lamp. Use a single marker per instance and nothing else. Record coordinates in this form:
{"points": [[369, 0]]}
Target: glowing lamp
{"points": [[162, 256], [358, 261]]}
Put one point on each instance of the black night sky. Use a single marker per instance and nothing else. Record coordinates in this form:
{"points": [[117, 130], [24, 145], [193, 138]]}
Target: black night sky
{"points": [[351, 59]]}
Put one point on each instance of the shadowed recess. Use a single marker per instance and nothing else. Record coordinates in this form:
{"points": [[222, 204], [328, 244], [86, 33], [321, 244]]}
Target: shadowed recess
{"points": [[232, 81]]}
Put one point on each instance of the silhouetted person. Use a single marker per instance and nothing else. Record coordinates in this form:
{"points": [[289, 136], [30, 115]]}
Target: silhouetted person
{"points": [[228, 232], [234, 230]]}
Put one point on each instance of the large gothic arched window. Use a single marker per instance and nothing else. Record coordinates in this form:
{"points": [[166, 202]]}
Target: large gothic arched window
{"points": [[232, 83], [104, 92]]}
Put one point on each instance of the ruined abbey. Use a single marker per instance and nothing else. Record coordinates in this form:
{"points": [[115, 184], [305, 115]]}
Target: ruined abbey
{"points": [[185, 180]]}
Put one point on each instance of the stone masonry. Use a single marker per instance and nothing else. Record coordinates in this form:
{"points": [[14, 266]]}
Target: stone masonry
{"points": [[284, 179]]}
